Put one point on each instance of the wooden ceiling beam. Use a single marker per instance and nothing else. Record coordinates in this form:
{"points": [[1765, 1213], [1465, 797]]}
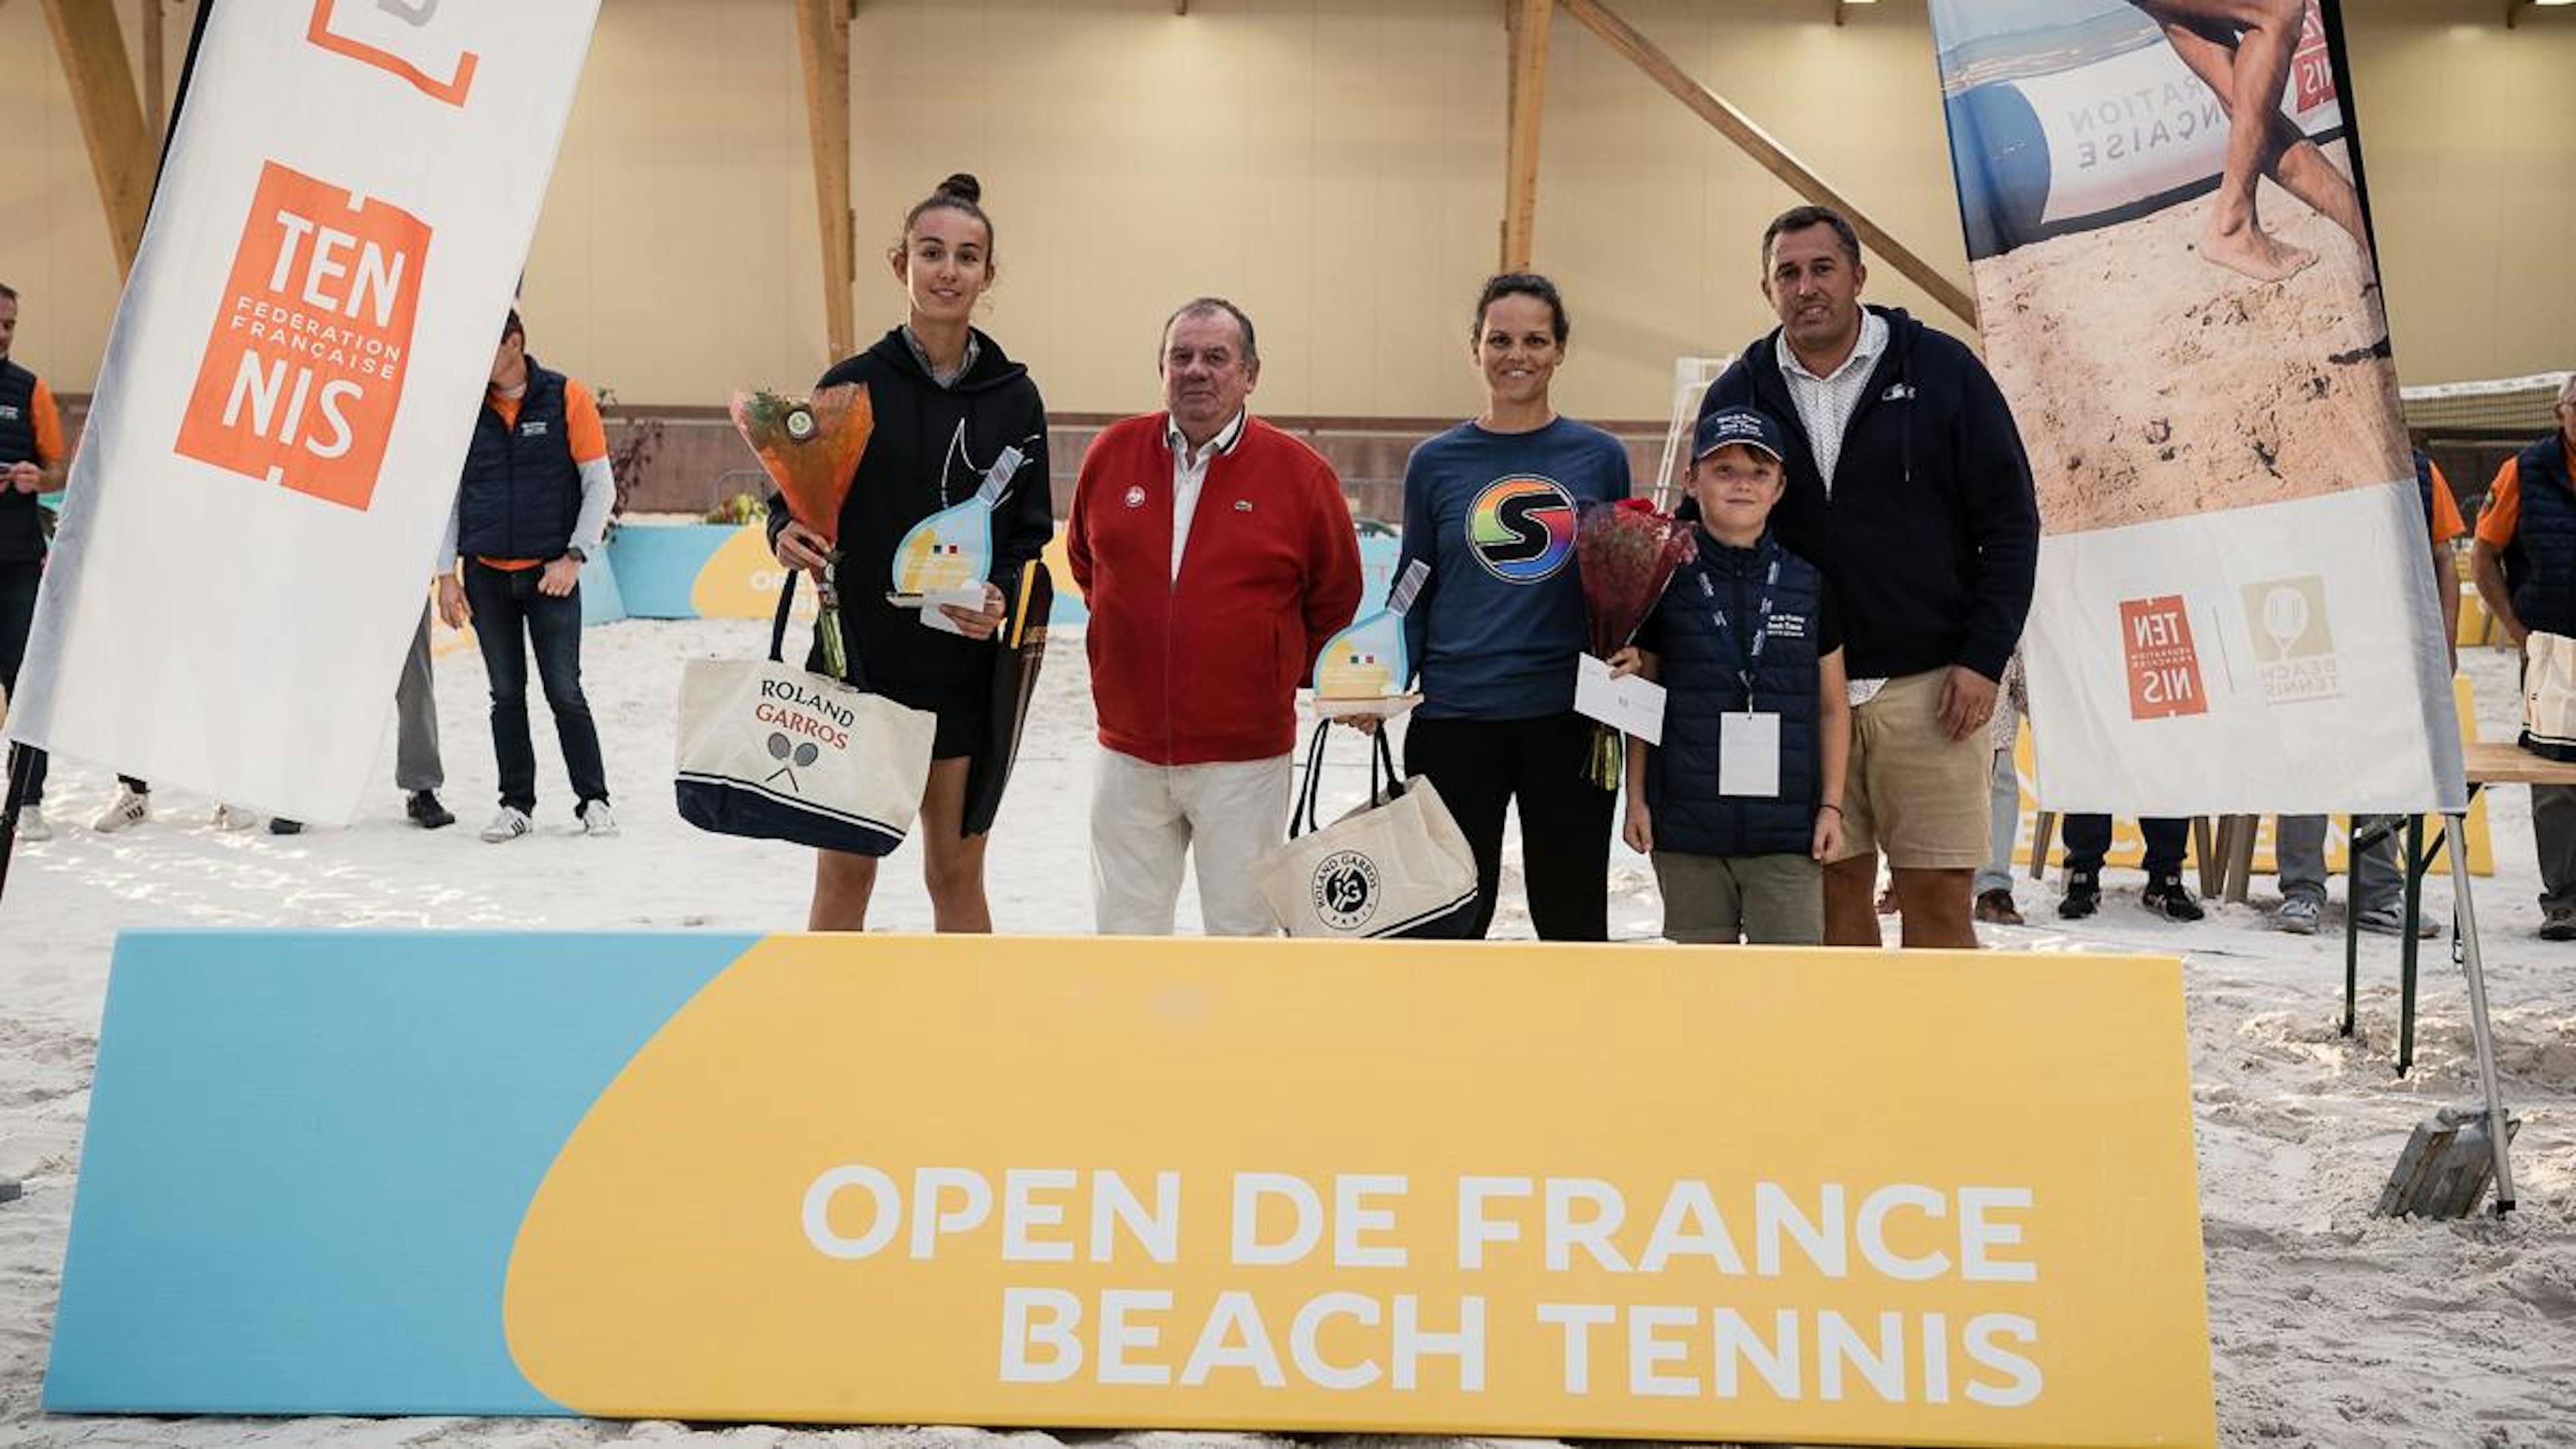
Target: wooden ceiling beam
{"points": [[823, 44], [1527, 21], [121, 154]]}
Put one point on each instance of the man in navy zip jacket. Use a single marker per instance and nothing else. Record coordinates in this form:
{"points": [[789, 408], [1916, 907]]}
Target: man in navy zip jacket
{"points": [[1909, 488]]}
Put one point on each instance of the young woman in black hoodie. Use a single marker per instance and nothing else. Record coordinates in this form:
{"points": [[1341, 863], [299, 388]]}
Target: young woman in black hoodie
{"points": [[947, 403]]}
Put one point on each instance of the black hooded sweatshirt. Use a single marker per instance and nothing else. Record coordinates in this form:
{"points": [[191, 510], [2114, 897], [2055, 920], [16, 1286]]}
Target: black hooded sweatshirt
{"points": [[1930, 538], [930, 448]]}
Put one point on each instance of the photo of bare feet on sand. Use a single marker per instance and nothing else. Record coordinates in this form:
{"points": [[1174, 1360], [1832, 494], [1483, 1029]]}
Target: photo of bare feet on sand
{"points": [[2171, 260], [2149, 384], [2242, 50]]}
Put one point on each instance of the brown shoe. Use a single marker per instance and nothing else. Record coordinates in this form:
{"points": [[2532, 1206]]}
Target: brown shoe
{"points": [[1995, 908]]}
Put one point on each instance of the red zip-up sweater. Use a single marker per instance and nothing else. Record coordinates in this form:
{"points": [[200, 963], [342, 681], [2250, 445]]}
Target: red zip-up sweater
{"points": [[1204, 668]]}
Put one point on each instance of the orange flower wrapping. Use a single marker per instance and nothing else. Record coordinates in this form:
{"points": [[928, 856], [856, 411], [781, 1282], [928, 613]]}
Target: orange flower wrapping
{"points": [[810, 447]]}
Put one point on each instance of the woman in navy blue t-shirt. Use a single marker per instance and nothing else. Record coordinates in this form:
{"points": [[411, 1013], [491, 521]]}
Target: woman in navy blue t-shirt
{"points": [[1490, 505]]}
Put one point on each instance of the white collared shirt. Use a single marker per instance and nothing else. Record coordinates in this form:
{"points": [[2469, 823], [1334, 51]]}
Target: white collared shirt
{"points": [[1189, 473], [1825, 407], [1826, 404]]}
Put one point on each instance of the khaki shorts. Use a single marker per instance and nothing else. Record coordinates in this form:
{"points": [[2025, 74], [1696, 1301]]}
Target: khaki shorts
{"points": [[1912, 793]]}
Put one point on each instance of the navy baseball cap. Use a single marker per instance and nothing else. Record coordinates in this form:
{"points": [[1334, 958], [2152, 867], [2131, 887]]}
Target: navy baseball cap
{"points": [[1752, 427]]}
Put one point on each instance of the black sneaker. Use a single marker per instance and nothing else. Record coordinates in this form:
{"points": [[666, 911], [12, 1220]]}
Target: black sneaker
{"points": [[2168, 897], [426, 812], [2083, 896], [280, 825]]}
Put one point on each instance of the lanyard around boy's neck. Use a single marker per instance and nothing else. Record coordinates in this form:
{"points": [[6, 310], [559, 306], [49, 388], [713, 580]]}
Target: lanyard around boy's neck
{"points": [[1752, 655]]}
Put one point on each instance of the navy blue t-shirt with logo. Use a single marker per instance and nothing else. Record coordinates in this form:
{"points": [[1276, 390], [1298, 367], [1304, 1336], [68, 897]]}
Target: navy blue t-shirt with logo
{"points": [[1497, 628]]}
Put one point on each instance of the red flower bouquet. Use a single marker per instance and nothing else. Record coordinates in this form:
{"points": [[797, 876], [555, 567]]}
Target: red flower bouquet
{"points": [[1626, 552]]}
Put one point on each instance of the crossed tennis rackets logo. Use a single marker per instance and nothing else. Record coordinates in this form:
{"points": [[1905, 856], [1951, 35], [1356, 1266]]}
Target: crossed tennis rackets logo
{"points": [[790, 756]]}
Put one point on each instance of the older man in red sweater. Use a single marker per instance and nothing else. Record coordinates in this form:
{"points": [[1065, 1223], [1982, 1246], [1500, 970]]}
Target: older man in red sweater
{"points": [[1217, 556]]}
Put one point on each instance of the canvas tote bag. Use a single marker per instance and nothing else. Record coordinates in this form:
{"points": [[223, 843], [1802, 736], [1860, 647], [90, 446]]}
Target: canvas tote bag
{"points": [[2549, 695], [1397, 866], [774, 752]]}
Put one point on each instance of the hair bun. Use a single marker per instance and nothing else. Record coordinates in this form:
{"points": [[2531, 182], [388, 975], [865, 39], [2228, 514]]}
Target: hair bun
{"points": [[963, 186]]}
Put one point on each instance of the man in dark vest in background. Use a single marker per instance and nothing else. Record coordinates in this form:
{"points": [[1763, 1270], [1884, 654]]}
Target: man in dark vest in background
{"points": [[530, 511], [31, 462], [2524, 561]]}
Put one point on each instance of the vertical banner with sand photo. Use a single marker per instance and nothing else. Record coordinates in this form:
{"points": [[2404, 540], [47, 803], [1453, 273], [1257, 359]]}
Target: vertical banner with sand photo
{"points": [[2176, 286]]}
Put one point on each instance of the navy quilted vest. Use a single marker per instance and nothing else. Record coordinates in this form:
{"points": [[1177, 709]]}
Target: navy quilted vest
{"points": [[2545, 595], [1703, 674], [522, 490]]}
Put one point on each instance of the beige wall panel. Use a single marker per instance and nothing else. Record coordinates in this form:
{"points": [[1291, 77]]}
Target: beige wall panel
{"points": [[677, 258], [2469, 131], [1336, 166]]}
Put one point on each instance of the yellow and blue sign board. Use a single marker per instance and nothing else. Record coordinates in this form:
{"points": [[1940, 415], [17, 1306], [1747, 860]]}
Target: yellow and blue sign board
{"points": [[1674, 1193]]}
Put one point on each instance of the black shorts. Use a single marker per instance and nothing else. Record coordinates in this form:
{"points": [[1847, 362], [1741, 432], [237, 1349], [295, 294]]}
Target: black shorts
{"points": [[964, 712], [964, 707]]}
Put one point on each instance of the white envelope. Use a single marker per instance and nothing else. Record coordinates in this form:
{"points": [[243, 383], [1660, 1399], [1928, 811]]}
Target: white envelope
{"points": [[934, 617], [1634, 705]]}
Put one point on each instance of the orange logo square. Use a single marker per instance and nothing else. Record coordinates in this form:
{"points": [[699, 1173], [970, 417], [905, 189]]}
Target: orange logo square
{"points": [[395, 36], [304, 372], [2164, 670]]}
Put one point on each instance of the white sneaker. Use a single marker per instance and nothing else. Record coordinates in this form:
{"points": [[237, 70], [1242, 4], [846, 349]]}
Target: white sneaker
{"points": [[595, 819], [131, 807], [236, 817], [507, 826], [32, 824]]}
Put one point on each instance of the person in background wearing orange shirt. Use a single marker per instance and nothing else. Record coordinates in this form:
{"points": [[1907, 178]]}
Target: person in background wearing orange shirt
{"points": [[2524, 561], [529, 512], [31, 462], [2377, 891]]}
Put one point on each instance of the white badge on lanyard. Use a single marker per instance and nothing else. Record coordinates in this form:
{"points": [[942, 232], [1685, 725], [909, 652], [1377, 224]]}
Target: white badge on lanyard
{"points": [[1748, 755], [1748, 742]]}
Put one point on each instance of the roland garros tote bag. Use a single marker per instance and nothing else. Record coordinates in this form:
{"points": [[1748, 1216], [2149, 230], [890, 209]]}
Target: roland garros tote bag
{"points": [[774, 752], [2549, 695], [1397, 866]]}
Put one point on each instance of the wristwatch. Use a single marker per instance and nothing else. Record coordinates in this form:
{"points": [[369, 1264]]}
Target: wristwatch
{"points": [[576, 555]]}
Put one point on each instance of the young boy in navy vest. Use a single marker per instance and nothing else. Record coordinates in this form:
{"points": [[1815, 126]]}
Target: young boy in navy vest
{"points": [[1741, 805]]}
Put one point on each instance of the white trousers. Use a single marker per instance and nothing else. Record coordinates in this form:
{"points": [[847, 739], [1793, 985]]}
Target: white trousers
{"points": [[1145, 819]]}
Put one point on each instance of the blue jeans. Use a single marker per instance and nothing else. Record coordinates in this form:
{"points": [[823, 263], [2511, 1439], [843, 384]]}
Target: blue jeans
{"points": [[510, 616], [2003, 796], [18, 581]]}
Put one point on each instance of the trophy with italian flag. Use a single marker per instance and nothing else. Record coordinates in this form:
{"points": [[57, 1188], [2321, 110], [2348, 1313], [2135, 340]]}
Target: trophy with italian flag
{"points": [[811, 448]]}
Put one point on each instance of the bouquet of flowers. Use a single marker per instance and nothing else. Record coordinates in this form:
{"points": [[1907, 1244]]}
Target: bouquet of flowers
{"points": [[1626, 552], [811, 447]]}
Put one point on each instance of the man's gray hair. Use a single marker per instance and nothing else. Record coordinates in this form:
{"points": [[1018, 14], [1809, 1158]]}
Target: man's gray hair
{"points": [[1208, 307]]}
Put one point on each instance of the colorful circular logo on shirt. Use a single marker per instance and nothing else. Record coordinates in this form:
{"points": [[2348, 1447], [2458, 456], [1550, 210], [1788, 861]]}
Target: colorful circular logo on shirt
{"points": [[1522, 529]]}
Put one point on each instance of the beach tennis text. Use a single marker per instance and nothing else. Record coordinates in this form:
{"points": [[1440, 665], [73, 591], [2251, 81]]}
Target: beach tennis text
{"points": [[1310, 1263]]}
